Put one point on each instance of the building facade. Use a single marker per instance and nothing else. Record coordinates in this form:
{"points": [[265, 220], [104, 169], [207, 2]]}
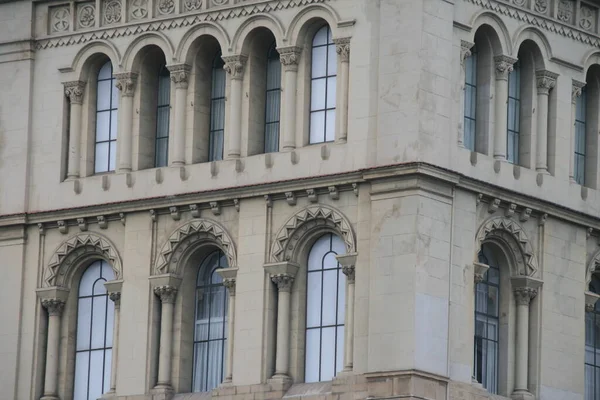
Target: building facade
{"points": [[317, 199]]}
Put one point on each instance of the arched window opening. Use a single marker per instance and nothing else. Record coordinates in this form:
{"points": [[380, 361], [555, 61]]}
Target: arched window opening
{"points": [[323, 87], [163, 108], [210, 332], [107, 103], [272, 101], [514, 114], [487, 320], [592, 346], [217, 110], [470, 119], [325, 305], [580, 133], [95, 318]]}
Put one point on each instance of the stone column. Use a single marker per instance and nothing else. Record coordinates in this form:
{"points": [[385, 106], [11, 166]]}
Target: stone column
{"points": [[546, 81], [116, 298], [179, 76], [504, 66], [74, 91], [234, 65], [525, 289], [282, 274], [479, 271], [576, 89], [55, 308], [167, 295], [229, 279], [465, 52], [342, 47], [126, 84], [348, 262], [289, 58]]}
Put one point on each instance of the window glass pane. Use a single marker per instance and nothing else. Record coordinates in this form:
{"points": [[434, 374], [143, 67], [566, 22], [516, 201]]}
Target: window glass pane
{"points": [[313, 300], [218, 87], [113, 156], [273, 105], [96, 374], [329, 261], [341, 302], [216, 143], [318, 250], [313, 347], [321, 37], [331, 60], [86, 284], [81, 375], [102, 126], [200, 357], [98, 321], [114, 121], [319, 62], [331, 92], [115, 95], [318, 94], [218, 114], [330, 126], [317, 127], [328, 349], [329, 297], [162, 152], [215, 363], [107, 366], [103, 95], [110, 319], [339, 346], [101, 157], [99, 287], [84, 321], [106, 71]]}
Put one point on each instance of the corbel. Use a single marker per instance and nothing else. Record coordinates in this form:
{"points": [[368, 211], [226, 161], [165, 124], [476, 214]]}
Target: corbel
{"points": [[63, 227], [41, 228], [105, 183], [268, 200], [312, 195], [479, 198], [239, 166], [589, 232], [153, 215], [195, 210], [510, 210], [215, 207], [479, 270], [355, 189], [183, 174], [122, 218], [493, 207], [324, 152], [543, 219], [158, 176], [82, 223], [175, 214], [102, 222], [333, 193], [236, 204], [290, 197], [525, 215], [294, 158]]}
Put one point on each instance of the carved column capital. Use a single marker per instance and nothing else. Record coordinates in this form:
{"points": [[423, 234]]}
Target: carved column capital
{"points": [[116, 298], [167, 294], [590, 301], [126, 83], [229, 283], [576, 89], [479, 270], [74, 91], [53, 306], [180, 74], [465, 51], [342, 48], [290, 56], [546, 81], [234, 65], [524, 295], [349, 271], [284, 282], [504, 66]]}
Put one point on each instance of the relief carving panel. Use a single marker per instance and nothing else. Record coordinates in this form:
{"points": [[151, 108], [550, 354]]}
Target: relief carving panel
{"points": [[60, 19], [86, 15], [112, 12]]}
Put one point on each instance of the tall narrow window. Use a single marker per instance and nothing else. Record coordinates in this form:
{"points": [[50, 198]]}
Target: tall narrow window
{"points": [[323, 87], [470, 100], [107, 102], [592, 347], [514, 114], [217, 110], [161, 150], [580, 142], [273, 101], [487, 296], [210, 336], [325, 304], [95, 317]]}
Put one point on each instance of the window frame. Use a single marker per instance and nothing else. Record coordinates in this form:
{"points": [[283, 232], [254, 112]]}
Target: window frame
{"points": [[162, 137], [514, 100], [274, 146], [581, 137], [112, 108], [217, 68], [470, 95]]}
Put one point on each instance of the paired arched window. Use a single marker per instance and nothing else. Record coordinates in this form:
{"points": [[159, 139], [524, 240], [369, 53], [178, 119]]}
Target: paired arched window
{"points": [[514, 115], [592, 346], [580, 137], [323, 87], [470, 117], [325, 305], [272, 101], [217, 110], [163, 106], [107, 103], [487, 320], [210, 331], [95, 318]]}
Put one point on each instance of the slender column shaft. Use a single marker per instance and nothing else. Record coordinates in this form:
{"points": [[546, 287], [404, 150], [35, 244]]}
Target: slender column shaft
{"points": [[343, 50], [284, 285], [167, 297], [523, 297], [504, 66], [234, 65], [576, 89], [230, 284], [179, 76], [126, 84], [55, 308], [546, 80], [116, 298], [74, 91], [349, 347], [289, 58]]}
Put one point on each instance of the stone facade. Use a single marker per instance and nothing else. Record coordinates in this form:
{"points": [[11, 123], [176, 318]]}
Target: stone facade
{"points": [[398, 184]]}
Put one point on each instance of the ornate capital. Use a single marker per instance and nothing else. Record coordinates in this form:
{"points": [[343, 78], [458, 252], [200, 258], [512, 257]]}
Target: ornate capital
{"points": [[479, 270], [126, 83], [342, 47], [166, 293], [229, 283], [524, 295], [504, 66], [54, 306], [349, 271], [116, 298], [180, 74], [234, 65], [74, 91], [576, 89], [525, 288], [284, 282], [546, 81], [465, 51], [290, 56], [590, 301]]}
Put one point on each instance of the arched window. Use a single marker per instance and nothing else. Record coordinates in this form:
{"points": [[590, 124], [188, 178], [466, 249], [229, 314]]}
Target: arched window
{"points": [[161, 152], [580, 133], [95, 317], [323, 87], [592, 346], [470, 122], [514, 114], [107, 102], [210, 332], [217, 110], [272, 100], [487, 303], [325, 305]]}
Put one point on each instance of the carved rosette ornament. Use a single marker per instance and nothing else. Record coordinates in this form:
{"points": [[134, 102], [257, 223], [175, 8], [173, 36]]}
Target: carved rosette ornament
{"points": [[504, 66], [138, 9], [53, 306], [74, 91], [576, 89], [349, 271], [165, 7], [586, 18], [86, 15], [290, 56], [192, 5], [126, 83], [284, 282], [546, 81], [520, 3], [60, 18], [234, 66], [167, 294], [112, 12], [524, 295], [180, 74], [342, 48], [541, 6], [465, 51], [565, 10]]}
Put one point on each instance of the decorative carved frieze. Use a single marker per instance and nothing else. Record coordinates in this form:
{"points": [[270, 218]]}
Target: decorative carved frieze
{"points": [[60, 19], [165, 7], [565, 10], [192, 5], [234, 65], [541, 6], [74, 90], [342, 48], [521, 3], [587, 18], [138, 9], [111, 12], [86, 15], [126, 83]]}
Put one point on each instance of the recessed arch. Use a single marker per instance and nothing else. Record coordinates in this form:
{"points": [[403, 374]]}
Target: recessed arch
{"points": [[501, 40], [308, 222], [239, 42], [160, 40], [591, 58], [297, 33], [185, 53], [187, 238], [88, 53], [76, 250], [532, 34]]}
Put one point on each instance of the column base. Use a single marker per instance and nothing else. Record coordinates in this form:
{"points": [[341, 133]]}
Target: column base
{"points": [[280, 382], [49, 397], [162, 392], [111, 394], [522, 395]]}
